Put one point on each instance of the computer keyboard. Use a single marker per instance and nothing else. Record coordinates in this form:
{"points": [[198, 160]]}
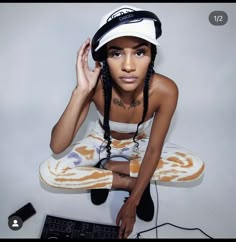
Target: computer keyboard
{"points": [[62, 228]]}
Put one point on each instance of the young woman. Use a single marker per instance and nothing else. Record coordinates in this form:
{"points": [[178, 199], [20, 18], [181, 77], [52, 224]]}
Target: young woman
{"points": [[126, 149]]}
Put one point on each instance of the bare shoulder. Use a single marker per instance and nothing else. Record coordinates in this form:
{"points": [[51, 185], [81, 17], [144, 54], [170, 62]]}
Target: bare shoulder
{"points": [[163, 85]]}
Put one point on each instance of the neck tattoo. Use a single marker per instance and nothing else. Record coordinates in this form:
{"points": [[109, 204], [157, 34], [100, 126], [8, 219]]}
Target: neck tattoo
{"points": [[119, 102]]}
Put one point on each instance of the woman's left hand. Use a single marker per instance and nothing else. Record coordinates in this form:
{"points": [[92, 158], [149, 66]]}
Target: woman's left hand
{"points": [[126, 219]]}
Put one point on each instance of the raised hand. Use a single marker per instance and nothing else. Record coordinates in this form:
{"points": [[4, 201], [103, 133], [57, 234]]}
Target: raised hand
{"points": [[86, 78]]}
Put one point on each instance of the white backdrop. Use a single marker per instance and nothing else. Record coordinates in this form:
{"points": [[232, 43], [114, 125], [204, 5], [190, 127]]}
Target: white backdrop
{"points": [[38, 45]]}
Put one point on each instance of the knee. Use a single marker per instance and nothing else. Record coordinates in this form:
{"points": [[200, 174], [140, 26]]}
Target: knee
{"points": [[45, 175]]}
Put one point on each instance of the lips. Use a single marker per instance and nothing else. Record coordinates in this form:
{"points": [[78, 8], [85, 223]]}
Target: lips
{"points": [[129, 79]]}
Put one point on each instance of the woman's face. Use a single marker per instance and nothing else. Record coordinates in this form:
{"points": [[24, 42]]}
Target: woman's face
{"points": [[128, 59]]}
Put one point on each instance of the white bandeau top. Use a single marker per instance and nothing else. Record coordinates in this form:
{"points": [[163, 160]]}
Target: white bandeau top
{"points": [[126, 127]]}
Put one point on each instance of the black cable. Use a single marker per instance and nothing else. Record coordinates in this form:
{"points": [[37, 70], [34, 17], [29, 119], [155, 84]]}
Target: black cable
{"points": [[158, 226], [157, 209], [138, 234]]}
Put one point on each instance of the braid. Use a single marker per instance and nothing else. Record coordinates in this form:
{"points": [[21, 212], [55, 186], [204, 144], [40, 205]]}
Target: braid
{"points": [[145, 98], [107, 87], [150, 72]]}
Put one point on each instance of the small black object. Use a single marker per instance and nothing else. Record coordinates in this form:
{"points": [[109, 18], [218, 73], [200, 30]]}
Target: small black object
{"points": [[64, 228], [99, 196], [24, 212]]}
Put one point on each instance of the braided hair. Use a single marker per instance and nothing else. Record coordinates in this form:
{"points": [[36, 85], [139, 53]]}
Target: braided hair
{"points": [[107, 88]]}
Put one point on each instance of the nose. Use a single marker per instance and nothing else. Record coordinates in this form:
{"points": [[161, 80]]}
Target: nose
{"points": [[128, 64]]}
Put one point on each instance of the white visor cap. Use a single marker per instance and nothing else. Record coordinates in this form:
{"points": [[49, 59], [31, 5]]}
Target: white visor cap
{"points": [[144, 28]]}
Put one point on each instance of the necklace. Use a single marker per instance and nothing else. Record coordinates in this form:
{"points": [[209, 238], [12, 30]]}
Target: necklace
{"points": [[119, 102]]}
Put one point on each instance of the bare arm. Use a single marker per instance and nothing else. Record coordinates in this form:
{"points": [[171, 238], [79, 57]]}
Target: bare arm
{"points": [[65, 129], [77, 109], [159, 131]]}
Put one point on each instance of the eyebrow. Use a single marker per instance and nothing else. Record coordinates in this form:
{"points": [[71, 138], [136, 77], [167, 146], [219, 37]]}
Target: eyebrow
{"points": [[135, 47]]}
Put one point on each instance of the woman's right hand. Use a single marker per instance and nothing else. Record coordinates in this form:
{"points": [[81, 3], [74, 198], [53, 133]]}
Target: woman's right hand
{"points": [[86, 78]]}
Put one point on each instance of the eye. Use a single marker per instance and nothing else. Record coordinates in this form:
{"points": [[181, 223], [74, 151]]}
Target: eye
{"points": [[140, 52], [115, 54]]}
